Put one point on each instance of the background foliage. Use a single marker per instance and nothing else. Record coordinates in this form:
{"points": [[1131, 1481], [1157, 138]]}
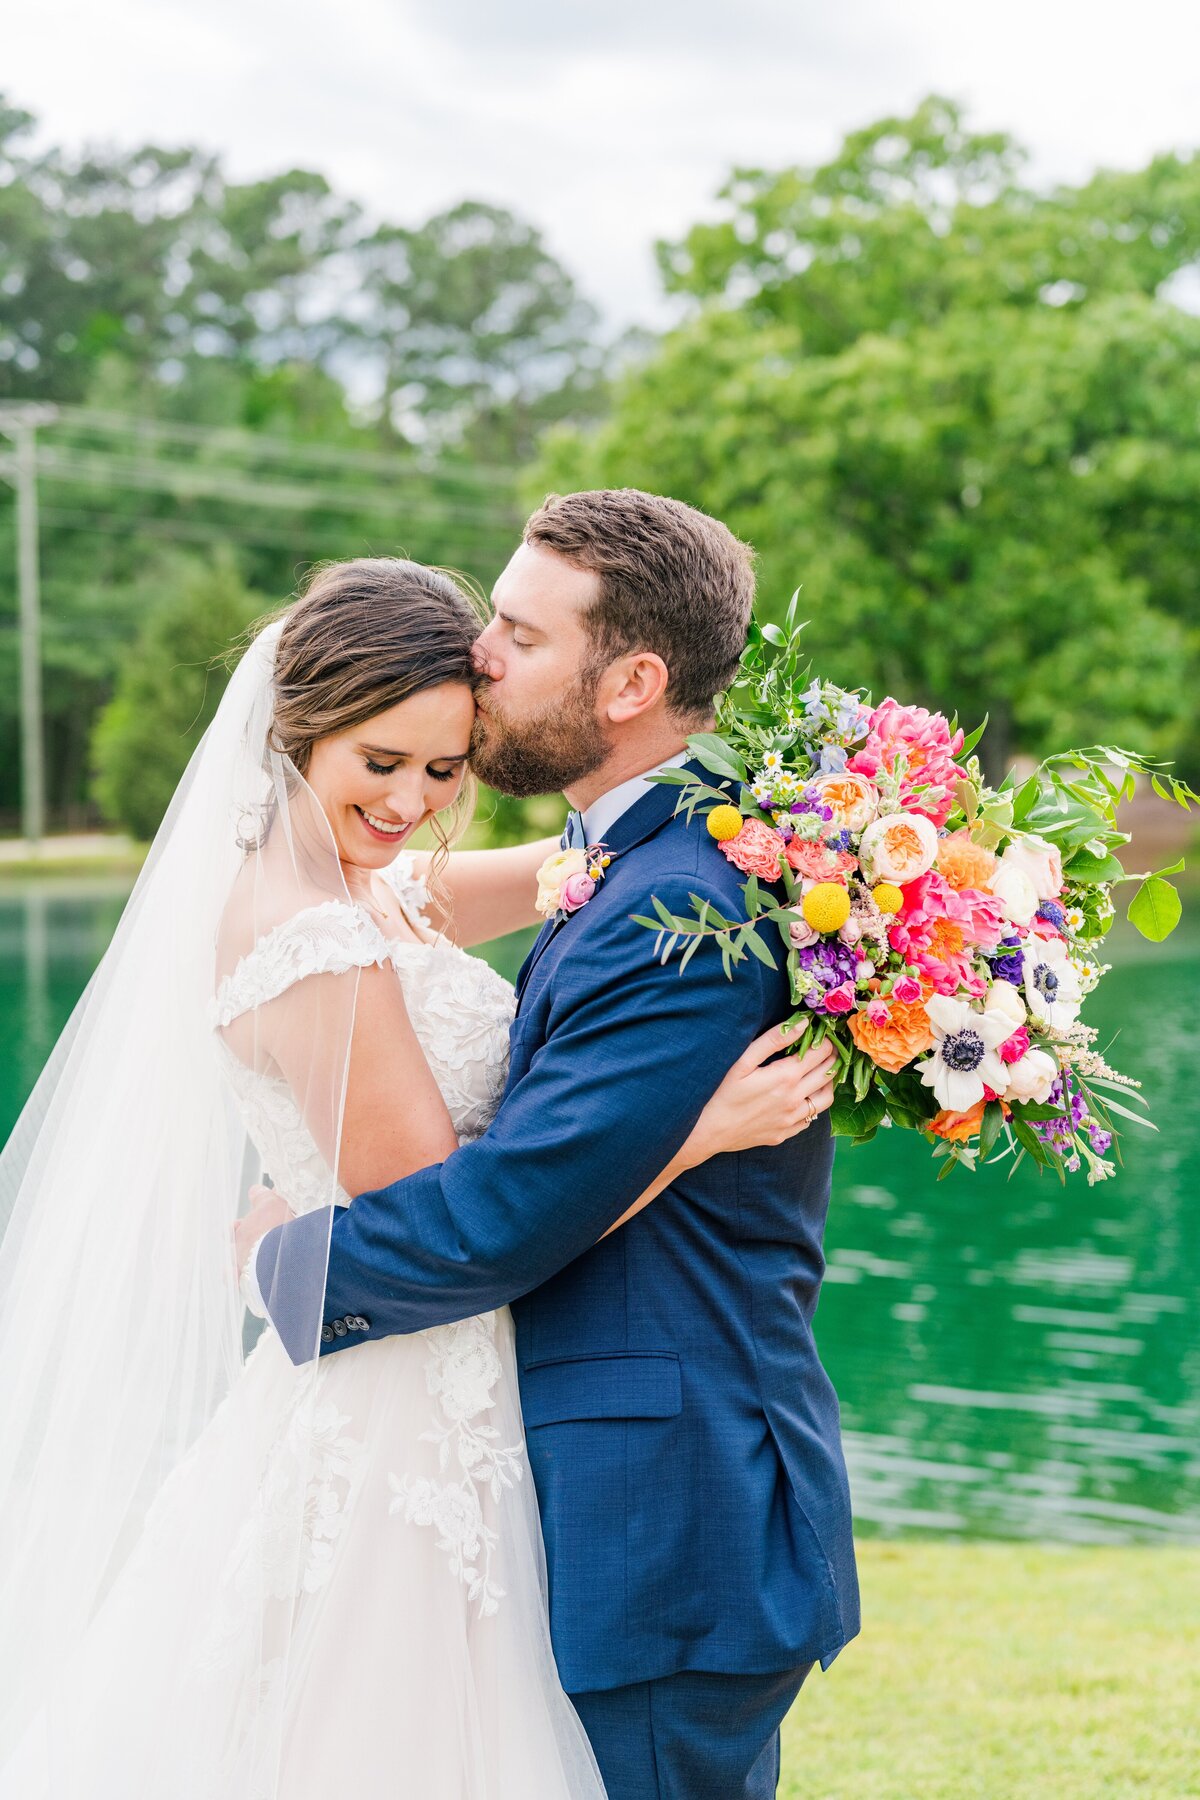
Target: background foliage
{"points": [[959, 411]]}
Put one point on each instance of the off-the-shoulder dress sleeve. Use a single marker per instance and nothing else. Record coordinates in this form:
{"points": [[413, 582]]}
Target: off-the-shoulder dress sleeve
{"points": [[321, 940]]}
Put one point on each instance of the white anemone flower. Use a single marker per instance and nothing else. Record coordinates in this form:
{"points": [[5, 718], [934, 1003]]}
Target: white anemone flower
{"points": [[1052, 989], [964, 1059]]}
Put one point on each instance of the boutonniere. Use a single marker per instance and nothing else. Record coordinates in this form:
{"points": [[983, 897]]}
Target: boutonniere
{"points": [[568, 879]]}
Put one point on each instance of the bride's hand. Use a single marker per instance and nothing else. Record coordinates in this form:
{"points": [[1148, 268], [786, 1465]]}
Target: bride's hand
{"points": [[268, 1208], [761, 1102]]}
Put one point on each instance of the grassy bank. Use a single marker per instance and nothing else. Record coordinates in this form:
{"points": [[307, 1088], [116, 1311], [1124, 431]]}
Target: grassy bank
{"points": [[1008, 1672]]}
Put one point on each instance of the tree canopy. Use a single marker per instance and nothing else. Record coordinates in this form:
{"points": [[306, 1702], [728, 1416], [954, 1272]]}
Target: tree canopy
{"points": [[255, 366], [959, 412]]}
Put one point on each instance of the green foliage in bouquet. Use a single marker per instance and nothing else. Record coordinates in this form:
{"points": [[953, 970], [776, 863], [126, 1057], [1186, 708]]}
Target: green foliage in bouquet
{"points": [[940, 933]]}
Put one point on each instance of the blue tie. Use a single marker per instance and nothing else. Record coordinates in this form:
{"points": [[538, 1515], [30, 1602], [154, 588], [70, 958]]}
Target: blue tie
{"points": [[573, 837]]}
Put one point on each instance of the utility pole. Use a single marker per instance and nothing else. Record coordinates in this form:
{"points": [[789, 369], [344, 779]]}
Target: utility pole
{"points": [[20, 424]]}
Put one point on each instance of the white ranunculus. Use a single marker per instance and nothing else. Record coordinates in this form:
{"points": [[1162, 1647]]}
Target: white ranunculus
{"points": [[1052, 987], [964, 1059], [1042, 862], [1015, 892], [1032, 1076], [1004, 998]]}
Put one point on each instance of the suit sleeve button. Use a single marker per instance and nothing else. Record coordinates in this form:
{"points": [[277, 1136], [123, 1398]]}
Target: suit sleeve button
{"points": [[339, 1327], [327, 1334]]}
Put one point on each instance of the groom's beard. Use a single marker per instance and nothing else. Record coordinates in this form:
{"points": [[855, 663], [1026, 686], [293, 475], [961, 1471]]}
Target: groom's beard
{"points": [[543, 754]]}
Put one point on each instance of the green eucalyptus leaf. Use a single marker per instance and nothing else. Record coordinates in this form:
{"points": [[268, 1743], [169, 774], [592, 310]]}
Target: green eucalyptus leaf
{"points": [[715, 755], [755, 944]]}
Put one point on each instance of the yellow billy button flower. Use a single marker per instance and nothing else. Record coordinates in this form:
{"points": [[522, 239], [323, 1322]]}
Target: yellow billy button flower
{"points": [[826, 907], [888, 898], [724, 823]]}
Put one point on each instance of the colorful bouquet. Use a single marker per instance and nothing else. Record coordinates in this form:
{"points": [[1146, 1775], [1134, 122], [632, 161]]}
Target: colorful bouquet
{"points": [[941, 933]]}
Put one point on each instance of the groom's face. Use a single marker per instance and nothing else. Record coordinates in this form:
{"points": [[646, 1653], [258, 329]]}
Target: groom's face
{"points": [[540, 724]]}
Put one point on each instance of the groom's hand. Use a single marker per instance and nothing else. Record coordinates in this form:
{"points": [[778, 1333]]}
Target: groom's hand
{"points": [[268, 1208]]}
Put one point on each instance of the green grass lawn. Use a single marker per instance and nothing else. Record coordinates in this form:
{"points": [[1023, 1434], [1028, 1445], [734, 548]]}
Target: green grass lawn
{"points": [[1008, 1672]]}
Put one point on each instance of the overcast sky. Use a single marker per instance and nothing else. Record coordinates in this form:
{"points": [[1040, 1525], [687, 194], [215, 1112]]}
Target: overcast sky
{"points": [[608, 125]]}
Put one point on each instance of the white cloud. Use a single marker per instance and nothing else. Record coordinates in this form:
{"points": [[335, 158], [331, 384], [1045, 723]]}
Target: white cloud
{"points": [[608, 127]]}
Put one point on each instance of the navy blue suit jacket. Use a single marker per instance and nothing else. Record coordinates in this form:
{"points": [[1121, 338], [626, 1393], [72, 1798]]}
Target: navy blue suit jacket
{"points": [[682, 1433]]}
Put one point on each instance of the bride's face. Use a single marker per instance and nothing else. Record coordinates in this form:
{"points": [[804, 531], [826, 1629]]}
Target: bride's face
{"points": [[378, 782]]}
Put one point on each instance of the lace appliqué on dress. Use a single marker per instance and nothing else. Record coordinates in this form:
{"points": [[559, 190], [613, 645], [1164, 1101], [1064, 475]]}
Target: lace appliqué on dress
{"points": [[313, 1471], [409, 889], [462, 1370], [321, 940]]}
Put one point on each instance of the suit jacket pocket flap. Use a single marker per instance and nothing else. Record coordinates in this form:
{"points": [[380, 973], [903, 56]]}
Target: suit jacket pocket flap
{"points": [[639, 1386]]}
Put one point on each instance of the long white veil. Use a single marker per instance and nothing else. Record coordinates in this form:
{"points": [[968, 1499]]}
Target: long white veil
{"points": [[121, 1329]]}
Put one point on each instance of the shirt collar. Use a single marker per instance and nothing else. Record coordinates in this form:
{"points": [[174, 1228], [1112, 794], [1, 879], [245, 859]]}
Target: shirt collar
{"points": [[603, 813]]}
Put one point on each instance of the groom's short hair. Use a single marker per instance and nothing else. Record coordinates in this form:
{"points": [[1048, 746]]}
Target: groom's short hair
{"points": [[672, 580]]}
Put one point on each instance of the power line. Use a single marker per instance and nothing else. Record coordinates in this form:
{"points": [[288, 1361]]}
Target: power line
{"points": [[190, 481], [236, 440], [116, 524]]}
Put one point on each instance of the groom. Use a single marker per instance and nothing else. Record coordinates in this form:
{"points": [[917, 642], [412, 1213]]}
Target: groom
{"points": [[682, 1433]]}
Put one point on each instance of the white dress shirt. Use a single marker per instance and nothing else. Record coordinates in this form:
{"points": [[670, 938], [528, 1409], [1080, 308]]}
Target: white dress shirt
{"points": [[599, 818], [603, 813]]}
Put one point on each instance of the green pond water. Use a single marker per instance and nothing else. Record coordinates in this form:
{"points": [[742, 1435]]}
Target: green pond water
{"points": [[1014, 1358]]}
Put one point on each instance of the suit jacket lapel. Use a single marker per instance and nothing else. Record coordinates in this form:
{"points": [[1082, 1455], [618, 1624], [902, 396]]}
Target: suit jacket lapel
{"points": [[640, 821]]}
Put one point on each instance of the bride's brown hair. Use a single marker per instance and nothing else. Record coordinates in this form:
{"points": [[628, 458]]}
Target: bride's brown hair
{"points": [[362, 636]]}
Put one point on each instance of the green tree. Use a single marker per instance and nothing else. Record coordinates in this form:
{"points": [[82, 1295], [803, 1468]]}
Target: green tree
{"points": [[169, 688], [959, 413], [482, 335], [145, 287]]}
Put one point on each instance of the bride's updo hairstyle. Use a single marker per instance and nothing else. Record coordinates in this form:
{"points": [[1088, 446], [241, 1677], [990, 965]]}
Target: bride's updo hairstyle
{"points": [[361, 637]]}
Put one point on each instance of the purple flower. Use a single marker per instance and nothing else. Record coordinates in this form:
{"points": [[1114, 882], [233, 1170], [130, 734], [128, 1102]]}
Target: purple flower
{"points": [[1008, 964], [1053, 914]]}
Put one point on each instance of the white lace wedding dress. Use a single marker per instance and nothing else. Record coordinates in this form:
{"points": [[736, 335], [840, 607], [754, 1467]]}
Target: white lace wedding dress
{"points": [[401, 1648]]}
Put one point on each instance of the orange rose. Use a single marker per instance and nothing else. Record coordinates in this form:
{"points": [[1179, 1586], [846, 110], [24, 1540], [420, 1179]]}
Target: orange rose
{"points": [[906, 1033], [964, 864], [957, 1127]]}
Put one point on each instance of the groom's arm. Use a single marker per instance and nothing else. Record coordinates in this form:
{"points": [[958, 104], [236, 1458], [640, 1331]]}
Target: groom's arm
{"points": [[633, 1052]]}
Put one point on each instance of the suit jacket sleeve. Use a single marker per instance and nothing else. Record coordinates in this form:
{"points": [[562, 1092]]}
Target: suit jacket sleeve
{"points": [[633, 1051]]}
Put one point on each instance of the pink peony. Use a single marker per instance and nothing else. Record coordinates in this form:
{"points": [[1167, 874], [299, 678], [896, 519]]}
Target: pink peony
{"points": [[755, 850], [577, 890], [840, 999], [938, 931], [1014, 1048], [924, 740]]}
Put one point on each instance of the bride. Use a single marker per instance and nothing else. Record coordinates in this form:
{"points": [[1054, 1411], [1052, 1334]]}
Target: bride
{"points": [[222, 1575]]}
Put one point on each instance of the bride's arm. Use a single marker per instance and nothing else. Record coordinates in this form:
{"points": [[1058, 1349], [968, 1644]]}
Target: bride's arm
{"points": [[394, 1120], [754, 1105], [490, 892], [376, 1112]]}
